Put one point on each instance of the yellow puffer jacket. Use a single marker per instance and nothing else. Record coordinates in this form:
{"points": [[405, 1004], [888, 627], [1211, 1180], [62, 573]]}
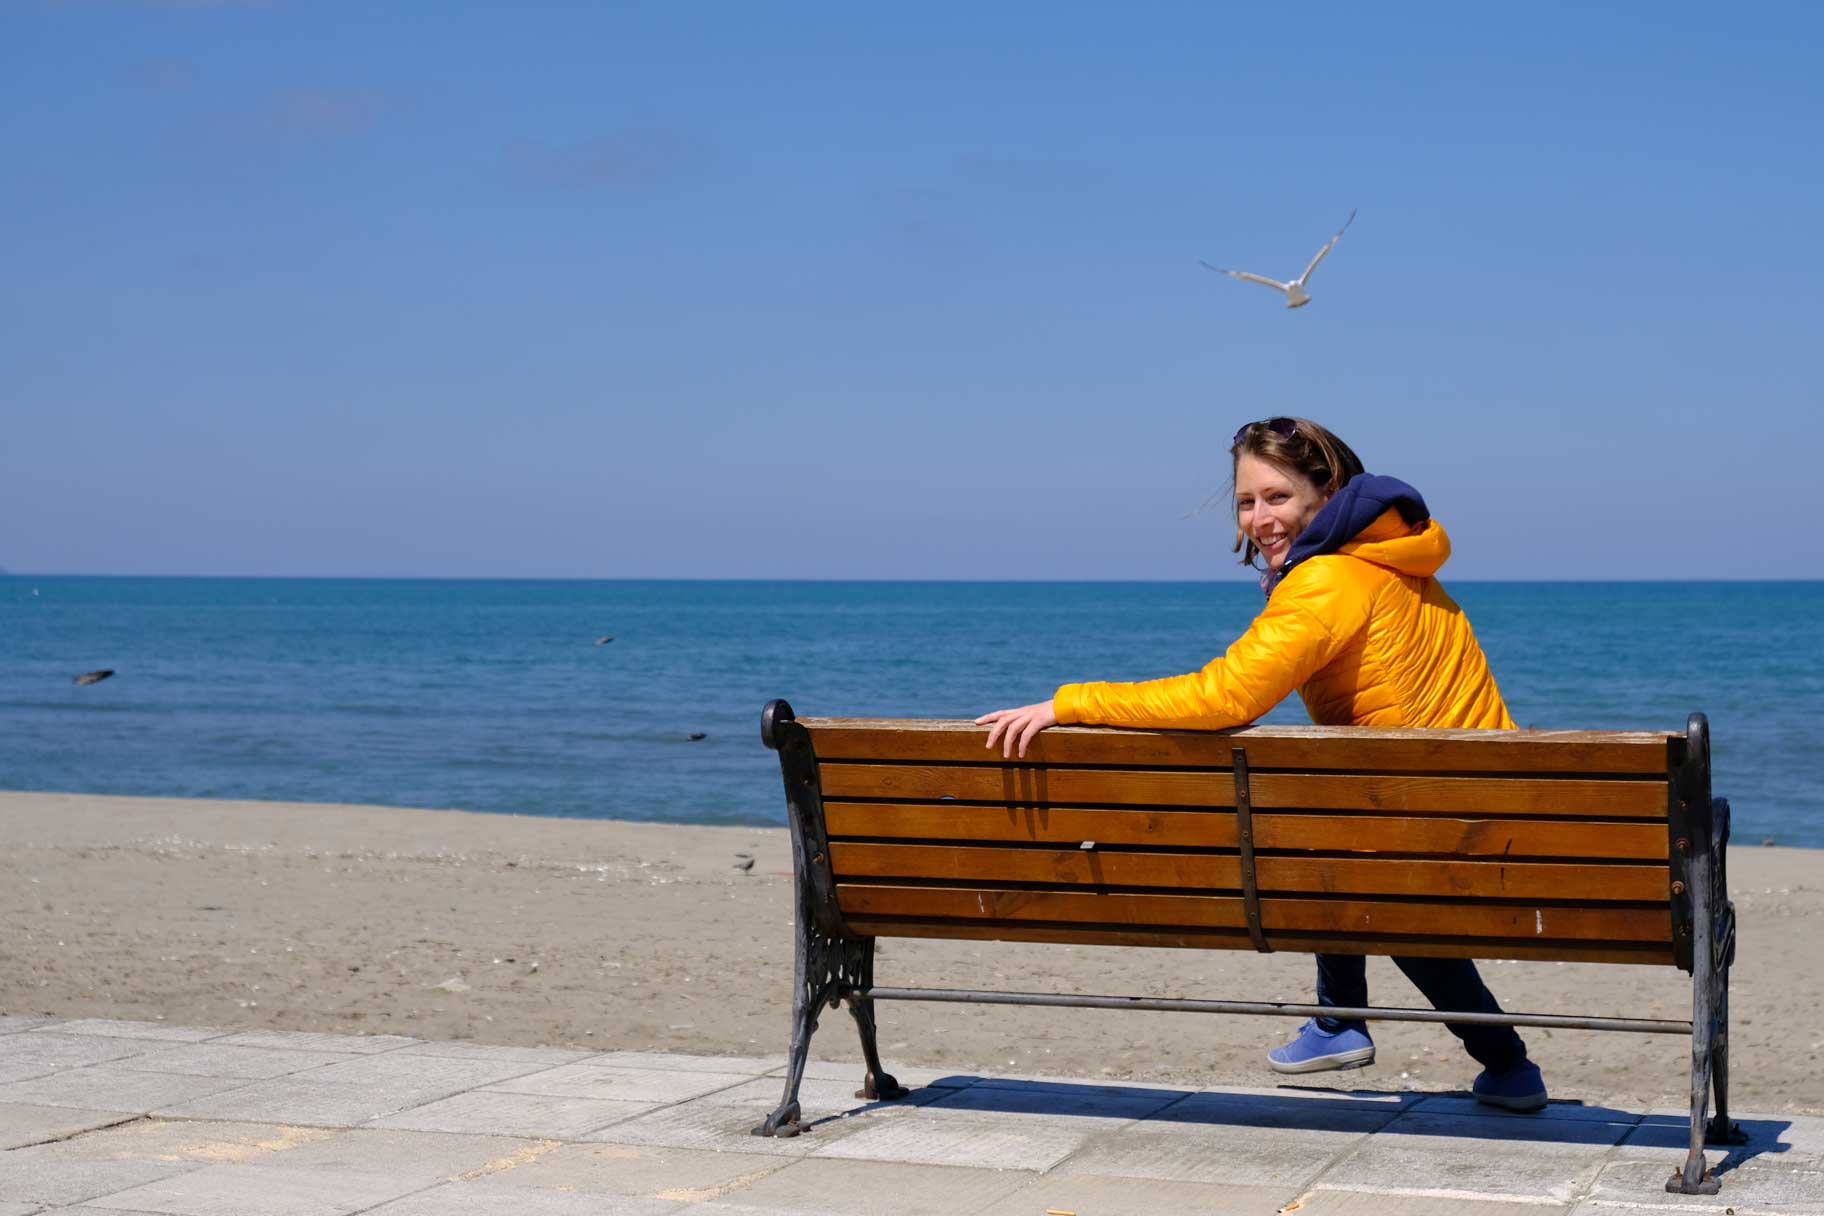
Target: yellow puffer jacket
{"points": [[1365, 634]]}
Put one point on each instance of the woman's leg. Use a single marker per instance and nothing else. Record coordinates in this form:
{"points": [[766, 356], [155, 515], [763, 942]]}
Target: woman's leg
{"points": [[1325, 1043], [1454, 985], [1342, 980]]}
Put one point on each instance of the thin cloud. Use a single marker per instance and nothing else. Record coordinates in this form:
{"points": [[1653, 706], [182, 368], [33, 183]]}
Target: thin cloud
{"points": [[628, 158], [171, 75], [319, 113]]}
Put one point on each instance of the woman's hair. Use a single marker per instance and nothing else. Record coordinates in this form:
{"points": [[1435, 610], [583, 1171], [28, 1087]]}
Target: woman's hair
{"points": [[1297, 444]]}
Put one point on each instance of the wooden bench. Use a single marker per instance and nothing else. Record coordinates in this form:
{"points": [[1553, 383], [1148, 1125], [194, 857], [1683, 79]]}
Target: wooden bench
{"points": [[1578, 846]]}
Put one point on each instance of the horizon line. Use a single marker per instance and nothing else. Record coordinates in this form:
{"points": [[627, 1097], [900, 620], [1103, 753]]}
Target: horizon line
{"points": [[1239, 580]]}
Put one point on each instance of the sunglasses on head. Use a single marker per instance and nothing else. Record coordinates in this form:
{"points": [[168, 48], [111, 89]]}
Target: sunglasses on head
{"points": [[1285, 428]]}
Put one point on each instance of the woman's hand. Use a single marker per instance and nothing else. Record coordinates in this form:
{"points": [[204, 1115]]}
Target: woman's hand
{"points": [[1022, 724]]}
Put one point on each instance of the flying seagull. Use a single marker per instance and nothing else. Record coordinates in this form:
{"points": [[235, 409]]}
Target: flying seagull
{"points": [[1295, 290]]}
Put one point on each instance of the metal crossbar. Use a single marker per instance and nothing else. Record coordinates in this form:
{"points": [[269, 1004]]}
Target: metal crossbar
{"points": [[1270, 1008]]}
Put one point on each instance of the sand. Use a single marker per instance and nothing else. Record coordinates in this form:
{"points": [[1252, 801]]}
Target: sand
{"points": [[615, 935]]}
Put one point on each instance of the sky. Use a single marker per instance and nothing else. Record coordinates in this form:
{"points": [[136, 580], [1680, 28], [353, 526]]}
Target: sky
{"points": [[700, 290]]}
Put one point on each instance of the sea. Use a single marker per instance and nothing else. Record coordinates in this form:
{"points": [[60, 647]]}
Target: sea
{"points": [[586, 699]]}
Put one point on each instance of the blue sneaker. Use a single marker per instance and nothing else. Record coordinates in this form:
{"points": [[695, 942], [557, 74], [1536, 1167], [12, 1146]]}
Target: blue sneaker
{"points": [[1519, 1088], [1317, 1050]]}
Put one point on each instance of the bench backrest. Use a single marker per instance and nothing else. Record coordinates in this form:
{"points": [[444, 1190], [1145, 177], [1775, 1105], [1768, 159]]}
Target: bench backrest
{"points": [[1478, 844]]}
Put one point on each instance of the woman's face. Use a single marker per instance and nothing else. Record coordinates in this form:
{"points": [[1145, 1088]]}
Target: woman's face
{"points": [[1272, 505]]}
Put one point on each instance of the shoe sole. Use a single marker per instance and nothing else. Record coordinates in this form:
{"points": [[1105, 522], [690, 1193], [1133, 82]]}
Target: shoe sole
{"points": [[1342, 1061], [1525, 1105]]}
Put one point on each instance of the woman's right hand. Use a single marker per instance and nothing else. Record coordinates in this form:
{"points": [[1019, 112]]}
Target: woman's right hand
{"points": [[1022, 724]]}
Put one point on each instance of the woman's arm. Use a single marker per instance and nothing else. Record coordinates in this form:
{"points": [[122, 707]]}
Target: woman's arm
{"points": [[1311, 618], [1309, 621]]}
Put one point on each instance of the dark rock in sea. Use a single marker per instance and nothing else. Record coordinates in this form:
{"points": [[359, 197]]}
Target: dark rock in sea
{"points": [[94, 677], [697, 734], [604, 639]]}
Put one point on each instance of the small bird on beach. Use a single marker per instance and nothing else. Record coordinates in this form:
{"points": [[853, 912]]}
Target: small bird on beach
{"points": [[604, 639], [745, 862], [1296, 296], [94, 677]]}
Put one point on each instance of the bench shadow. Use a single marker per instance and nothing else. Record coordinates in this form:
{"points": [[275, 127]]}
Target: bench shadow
{"points": [[1445, 1113]]}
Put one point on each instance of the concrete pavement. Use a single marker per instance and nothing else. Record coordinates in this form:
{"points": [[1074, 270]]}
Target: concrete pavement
{"points": [[131, 1117]]}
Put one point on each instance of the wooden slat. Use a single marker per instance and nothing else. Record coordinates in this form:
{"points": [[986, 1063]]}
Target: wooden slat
{"points": [[1370, 917], [1298, 747], [1641, 953], [1463, 837], [1086, 867], [1109, 825], [1592, 884], [1026, 785], [1215, 828]]}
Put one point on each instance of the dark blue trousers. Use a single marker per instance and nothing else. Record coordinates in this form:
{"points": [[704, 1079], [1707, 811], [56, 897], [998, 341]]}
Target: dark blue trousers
{"points": [[1450, 984]]}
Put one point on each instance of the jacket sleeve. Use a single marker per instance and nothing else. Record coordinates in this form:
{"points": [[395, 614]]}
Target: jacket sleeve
{"points": [[1310, 620]]}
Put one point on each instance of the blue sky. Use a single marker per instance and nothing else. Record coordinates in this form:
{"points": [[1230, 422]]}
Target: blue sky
{"points": [[701, 290]]}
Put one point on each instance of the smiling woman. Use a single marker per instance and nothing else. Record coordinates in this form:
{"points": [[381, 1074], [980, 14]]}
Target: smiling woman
{"points": [[1356, 622]]}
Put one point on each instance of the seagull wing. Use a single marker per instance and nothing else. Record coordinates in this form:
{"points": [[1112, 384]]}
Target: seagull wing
{"points": [[1275, 284], [1326, 248]]}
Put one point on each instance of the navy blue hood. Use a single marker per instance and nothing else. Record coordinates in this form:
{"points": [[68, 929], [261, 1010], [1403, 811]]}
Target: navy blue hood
{"points": [[1359, 503]]}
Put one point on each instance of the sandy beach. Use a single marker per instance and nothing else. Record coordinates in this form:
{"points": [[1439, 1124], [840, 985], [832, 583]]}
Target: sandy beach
{"points": [[616, 935]]}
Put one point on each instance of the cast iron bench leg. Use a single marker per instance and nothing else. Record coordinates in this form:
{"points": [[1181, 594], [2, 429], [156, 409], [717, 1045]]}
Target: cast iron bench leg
{"points": [[824, 970]]}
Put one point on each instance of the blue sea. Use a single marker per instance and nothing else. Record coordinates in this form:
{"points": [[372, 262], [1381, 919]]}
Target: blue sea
{"points": [[495, 696]]}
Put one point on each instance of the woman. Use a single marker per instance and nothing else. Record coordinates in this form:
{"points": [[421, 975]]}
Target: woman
{"points": [[1357, 624]]}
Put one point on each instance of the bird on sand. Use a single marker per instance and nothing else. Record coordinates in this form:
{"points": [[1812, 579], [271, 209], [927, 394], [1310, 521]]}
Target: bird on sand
{"points": [[1296, 296], [94, 677]]}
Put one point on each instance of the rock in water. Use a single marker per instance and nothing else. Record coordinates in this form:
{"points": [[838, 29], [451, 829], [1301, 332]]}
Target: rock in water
{"points": [[697, 734], [94, 677]]}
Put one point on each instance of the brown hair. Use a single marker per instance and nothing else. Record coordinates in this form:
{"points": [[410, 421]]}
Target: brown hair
{"points": [[1298, 445]]}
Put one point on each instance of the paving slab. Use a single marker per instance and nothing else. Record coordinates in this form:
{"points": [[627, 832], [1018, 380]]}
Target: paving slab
{"points": [[1230, 1156], [1462, 1104], [683, 1175], [1438, 1157], [536, 1116], [1216, 1110], [303, 1040], [1588, 1136], [217, 1060], [545, 1056], [1054, 1100], [434, 1076], [294, 1100], [906, 1074], [22, 1123], [108, 1028], [727, 1128], [1761, 1184], [434, 1156], [113, 1087], [1091, 1195], [1327, 1202], [684, 1063], [184, 1141], [487, 1198], [37, 1053], [260, 1190], [1788, 1134], [968, 1138], [819, 1186], [31, 1175], [817, 1099], [620, 1084]]}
